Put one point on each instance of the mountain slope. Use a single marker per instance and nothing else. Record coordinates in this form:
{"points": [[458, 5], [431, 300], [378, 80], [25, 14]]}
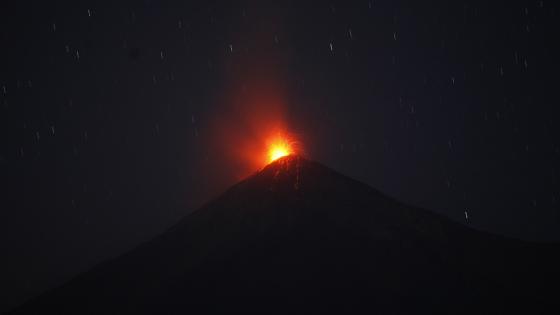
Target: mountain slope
{"points": [[298, 236]]}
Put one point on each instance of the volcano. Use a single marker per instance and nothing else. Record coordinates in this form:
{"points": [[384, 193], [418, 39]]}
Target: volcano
{"points": [[299, 237]]}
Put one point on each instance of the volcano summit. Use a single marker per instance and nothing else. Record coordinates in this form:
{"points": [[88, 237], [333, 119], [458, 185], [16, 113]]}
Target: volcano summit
{"points": [[299, 237]]}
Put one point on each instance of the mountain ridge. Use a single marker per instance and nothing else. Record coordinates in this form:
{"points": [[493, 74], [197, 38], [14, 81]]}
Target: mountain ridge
{"points": [[299, 233]]}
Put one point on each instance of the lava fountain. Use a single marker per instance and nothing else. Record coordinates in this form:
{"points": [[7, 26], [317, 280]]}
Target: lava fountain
{"points": [[278, 147]]}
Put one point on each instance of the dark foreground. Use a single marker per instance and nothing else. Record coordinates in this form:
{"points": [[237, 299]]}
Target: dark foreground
{"points": [[298, 237]]}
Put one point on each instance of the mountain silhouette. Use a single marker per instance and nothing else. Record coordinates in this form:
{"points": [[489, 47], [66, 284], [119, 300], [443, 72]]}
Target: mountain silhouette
{"points": [[299, 237]]}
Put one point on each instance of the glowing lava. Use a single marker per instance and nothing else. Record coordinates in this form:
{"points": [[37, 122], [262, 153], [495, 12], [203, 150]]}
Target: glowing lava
{"points": [[278, 148]]}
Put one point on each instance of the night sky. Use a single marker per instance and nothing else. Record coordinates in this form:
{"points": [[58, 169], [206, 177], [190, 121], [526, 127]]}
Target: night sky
{"points": [[119, 118]]}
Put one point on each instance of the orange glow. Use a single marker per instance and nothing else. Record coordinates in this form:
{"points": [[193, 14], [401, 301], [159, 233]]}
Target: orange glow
{"points": [[249, 126], [278, 148], [247, 121]]}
